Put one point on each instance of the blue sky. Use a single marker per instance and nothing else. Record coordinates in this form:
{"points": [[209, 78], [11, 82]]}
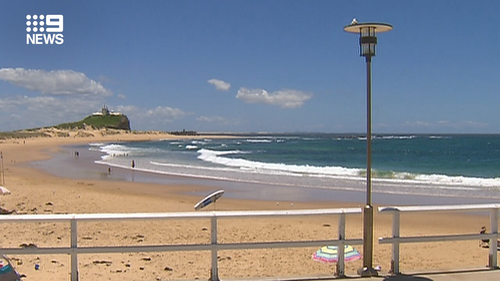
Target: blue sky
{"points": [[254, 66]]}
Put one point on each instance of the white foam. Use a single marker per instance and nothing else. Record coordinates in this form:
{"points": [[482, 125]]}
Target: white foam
{"points": [[112, 150], [396, 137], [259, 140], [460, 180], [97, 144], [215, 158], [443, 181]]}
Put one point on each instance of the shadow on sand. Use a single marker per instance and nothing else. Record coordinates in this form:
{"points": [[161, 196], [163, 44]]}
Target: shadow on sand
{"points": [[403, 277]]}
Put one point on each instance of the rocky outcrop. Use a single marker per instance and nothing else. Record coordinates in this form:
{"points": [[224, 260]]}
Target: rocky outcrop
{"points": [[123, 124]]}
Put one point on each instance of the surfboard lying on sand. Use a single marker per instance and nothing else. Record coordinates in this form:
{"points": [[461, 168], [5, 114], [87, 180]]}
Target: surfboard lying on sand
{"points": [[209, 199]]}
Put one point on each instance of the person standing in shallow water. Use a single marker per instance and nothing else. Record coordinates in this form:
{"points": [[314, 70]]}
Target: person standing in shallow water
{"points": [[133, 167]]}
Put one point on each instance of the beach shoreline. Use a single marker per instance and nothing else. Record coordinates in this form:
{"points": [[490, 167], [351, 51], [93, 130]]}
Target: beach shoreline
{"points": [[63, 164], [34, 191]]}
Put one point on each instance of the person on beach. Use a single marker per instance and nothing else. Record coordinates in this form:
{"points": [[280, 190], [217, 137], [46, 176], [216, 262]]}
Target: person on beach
{"points": [[133, 164], [485, 243]]}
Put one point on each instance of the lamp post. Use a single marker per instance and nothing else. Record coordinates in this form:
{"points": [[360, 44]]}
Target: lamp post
{"points": [[367, 42]]}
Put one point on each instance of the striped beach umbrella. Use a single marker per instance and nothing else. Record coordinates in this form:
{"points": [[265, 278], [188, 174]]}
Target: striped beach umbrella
{"points": [[329, 254]]}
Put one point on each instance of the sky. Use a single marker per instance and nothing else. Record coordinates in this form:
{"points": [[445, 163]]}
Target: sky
{"points": [[252, 66]]}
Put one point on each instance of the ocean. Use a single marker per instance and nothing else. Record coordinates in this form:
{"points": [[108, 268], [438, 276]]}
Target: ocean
{"points": [[462, 166]]}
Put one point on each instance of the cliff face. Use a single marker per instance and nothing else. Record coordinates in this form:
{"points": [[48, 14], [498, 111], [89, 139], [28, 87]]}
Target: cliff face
{"points": [[119, 122], [123, 124]]}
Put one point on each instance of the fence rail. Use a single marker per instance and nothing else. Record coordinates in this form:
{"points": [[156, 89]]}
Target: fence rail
{"points": [[214, 246], [396, 240]]}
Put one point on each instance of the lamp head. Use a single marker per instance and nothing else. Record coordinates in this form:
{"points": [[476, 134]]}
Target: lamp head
{"points": [[367, 35]]}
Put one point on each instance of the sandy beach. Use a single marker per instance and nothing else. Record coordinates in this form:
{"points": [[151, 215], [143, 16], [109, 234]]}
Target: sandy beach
{"points": [[37, 192]]}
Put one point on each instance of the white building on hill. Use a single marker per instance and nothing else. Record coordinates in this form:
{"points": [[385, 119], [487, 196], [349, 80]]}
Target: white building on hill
{"points": [[105, 112]]}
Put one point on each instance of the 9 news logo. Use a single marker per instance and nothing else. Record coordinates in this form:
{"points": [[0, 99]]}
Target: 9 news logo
{"points": [[44, 29]]}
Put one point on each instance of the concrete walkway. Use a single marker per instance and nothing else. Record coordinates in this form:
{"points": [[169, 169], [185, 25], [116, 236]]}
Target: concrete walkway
{"points": [[470, 275], [490, 275]]}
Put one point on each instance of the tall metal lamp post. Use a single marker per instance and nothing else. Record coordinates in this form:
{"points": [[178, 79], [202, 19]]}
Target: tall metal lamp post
{"points": [[367, 42]]}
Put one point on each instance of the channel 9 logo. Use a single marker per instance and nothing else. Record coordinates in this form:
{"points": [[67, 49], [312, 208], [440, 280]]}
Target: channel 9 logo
{"points": [[44, 29]]}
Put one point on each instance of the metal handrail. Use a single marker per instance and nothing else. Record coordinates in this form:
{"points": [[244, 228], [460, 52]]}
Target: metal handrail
{"points": [[396, 240], [214, 246]]}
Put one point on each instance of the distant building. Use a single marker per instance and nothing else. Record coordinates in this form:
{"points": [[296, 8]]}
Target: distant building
{"points": [[105, 112]]}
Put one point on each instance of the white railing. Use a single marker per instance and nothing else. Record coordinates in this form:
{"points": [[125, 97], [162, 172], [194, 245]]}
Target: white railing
{"points": [[74, 219], [396, 240]]}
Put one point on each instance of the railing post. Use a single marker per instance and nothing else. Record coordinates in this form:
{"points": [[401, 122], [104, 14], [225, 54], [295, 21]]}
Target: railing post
{"points": [[395, 245], [74, 246], [493, 241], [341, 247], [214, 276]]}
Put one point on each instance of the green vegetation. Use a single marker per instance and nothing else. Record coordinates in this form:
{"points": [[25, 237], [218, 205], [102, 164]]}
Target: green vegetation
{"points": [[98, 122], [116, 122], [22, 135]]}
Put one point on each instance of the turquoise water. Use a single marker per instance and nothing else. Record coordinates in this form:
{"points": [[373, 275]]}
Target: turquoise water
{"points": [[455, 165]]}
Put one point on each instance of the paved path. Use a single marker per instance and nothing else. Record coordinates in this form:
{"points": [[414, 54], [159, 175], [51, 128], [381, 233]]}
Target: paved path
{"points": [[491, 275], [473, 275]]}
